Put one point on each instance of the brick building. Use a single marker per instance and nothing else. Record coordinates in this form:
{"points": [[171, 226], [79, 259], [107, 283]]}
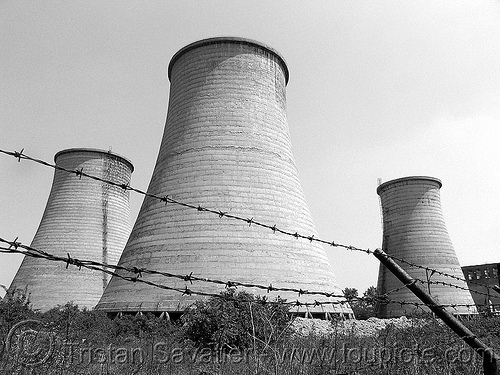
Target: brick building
{"points": [[480, 280]]}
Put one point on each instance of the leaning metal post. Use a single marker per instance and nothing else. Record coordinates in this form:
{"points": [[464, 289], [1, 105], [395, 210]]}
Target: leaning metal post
{"points": [[490, 365]]}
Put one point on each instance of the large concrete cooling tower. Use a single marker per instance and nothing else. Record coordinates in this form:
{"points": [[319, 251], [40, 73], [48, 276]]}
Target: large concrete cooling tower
{"points": [[226, 146], [414, 230], [85, 218]]}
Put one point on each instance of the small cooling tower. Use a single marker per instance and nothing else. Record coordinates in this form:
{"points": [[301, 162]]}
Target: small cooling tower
{"points": [[414, 230], [226, 146], [86, 218]]}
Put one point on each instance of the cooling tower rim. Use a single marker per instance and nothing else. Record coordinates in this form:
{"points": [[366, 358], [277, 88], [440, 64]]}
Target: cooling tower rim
{"points": [[385, 185], [228, 39], [96, 151]]}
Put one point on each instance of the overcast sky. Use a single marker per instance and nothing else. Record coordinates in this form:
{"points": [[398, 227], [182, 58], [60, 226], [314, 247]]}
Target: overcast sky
{"points": [[378, 89]]}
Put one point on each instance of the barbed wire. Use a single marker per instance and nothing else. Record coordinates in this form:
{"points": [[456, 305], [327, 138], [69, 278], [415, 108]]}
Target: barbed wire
{"points": [[414, 265], [14, 247], [17, 247], [140, 271], [453, 286], [168, 199], [30, 251], [186, 291]]}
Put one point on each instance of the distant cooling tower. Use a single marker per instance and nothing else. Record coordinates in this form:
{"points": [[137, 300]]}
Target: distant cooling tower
{"points": [[414, 230], [85, 218], [226, 146]]}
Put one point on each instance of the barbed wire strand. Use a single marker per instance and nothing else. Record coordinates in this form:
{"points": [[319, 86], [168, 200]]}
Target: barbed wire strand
{"points": [[17, 247], [28, 251], [311, 238], [453, 286]]}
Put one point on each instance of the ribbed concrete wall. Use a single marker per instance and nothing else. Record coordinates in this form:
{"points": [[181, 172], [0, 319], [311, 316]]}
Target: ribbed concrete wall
{"points": [[83, 217], [226, 146], [415, 230]]}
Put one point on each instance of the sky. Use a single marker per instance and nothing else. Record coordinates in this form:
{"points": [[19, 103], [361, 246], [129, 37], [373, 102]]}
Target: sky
{"points": [[378, 89]]}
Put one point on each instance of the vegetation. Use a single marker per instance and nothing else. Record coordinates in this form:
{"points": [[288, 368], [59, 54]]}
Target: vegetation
{"points": [[235, 334], [363, 308], [237, 320]]}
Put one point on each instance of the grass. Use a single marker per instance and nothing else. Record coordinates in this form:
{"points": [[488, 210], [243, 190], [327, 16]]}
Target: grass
{"points": [[229, 338], [429, 348]]}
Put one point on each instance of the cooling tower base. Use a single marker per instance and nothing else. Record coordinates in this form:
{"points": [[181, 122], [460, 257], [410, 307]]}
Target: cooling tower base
{"points": [[176, 315]]}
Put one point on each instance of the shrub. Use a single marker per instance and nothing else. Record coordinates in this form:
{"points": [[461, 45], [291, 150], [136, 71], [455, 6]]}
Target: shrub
{"points": [[363, 308], [14, 307], [236, 320]]}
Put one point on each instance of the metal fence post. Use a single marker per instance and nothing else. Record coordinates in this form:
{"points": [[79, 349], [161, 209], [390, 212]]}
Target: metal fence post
{"points": [[490, 360]]}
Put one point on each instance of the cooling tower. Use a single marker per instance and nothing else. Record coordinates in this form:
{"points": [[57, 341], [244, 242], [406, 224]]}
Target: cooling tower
{"points": [[414, 230], [86, 218], [226, 146]]}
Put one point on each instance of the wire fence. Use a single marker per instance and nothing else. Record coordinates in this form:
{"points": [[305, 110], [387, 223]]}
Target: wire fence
{"points": [[194, 282], [17, 247], [250, 221], [138, 272], [357, 367]]}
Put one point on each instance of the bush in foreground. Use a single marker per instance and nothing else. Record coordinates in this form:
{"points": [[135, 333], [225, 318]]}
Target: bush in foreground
{"points": [[237, 320]]}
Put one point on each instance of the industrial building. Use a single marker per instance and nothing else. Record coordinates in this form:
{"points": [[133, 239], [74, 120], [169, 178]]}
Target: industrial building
{"points": [[481, 280], [226, 146]]}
